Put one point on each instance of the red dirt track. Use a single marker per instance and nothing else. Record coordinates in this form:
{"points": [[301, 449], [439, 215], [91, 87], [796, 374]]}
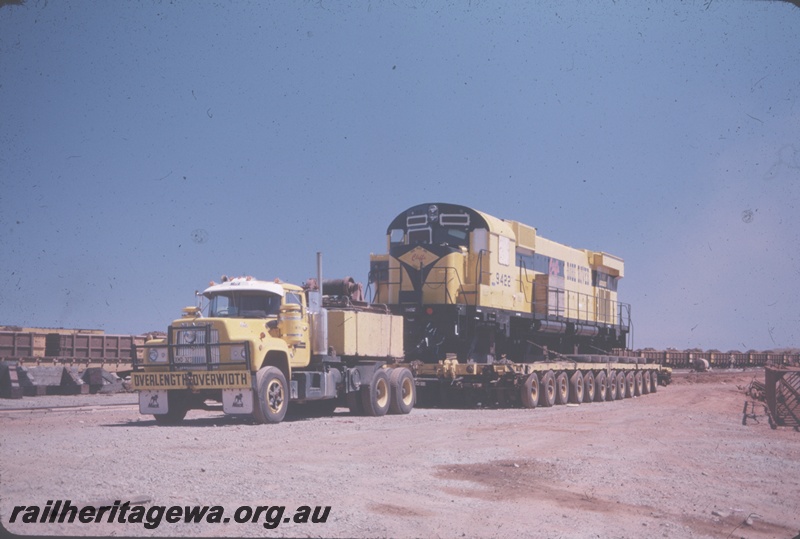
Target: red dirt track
{"points": [[678, 463]]}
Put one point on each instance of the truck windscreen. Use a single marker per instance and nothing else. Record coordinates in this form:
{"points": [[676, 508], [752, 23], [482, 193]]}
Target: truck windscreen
{"points": [[244, 305]]}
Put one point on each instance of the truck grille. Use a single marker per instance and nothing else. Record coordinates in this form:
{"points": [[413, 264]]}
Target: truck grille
{"points": [[191, 347]]}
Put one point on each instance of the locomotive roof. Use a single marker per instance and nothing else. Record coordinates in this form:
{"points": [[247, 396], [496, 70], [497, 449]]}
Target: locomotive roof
{"points": [[477, 219]]}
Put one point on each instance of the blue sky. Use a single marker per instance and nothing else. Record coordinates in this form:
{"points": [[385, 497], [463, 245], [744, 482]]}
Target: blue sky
{"points": [[149, 147]]}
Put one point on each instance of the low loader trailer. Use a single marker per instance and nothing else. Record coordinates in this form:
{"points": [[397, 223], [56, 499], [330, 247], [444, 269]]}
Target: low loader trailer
{"points": [[571, 379]]}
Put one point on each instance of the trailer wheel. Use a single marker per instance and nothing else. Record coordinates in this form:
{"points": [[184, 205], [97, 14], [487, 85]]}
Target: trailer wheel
{"points": [[600, 387], [620, 385], [588, 387], [638, 385], [630, 384], [178, 406], [612, 386], [404, 392], [529, 391], [376, 396], [272, 394], [645, 382], [576, 388], [562, 388], [547, 389], [654, 381]]}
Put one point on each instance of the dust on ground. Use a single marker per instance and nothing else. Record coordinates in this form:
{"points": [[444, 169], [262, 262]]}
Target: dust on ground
{"points": [[678, 463]]}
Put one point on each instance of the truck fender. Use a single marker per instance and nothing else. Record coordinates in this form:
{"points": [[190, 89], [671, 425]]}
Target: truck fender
{"points": [[279, 359]]}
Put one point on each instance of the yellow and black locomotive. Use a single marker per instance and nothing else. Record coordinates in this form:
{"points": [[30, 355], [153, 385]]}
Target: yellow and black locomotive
{"points": [[485, 289]]}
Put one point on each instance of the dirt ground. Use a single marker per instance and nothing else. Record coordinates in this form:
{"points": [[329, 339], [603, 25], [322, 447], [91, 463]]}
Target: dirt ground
{"points": [[678, 463]]}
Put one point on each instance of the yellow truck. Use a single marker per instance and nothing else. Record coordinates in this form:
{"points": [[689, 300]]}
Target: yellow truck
{"points": [[263, 346]]}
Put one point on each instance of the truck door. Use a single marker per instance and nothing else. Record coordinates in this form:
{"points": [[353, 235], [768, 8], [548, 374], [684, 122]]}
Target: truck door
{"points": [[295, 328]]}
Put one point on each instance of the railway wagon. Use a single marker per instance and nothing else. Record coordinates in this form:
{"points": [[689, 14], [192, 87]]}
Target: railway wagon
{"points": [[483, 289], [722, 360], [32, 344]]}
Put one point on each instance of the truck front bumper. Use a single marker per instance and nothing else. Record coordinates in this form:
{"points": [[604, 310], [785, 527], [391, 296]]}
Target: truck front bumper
{"points": [[191, 380]]}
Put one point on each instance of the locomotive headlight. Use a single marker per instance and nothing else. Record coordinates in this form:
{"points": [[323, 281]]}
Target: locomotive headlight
{"points": [[157, 355]]}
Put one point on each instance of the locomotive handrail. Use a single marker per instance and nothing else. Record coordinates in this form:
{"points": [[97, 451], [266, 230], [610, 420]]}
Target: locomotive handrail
{"points": [[461, 288], [522, 279], [448, 299], [435, 285], [565, 302], [624, 316], [479, 268], [460, 285], [389, 281], [429, 283], [583, 314]]}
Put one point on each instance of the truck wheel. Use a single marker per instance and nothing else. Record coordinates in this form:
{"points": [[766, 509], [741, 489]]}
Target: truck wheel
{"points": [[178, 406], [562, 388], [547, 389], [600, 387], [588, 387], [654, 381], [404, 392], [375, 397], [530, 391], [645, 382], [612, 386], [576, 388], [272, 395]]}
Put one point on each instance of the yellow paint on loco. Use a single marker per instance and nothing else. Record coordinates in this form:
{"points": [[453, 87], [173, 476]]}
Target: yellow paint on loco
{"points": [[444, 281], [497, 271]]}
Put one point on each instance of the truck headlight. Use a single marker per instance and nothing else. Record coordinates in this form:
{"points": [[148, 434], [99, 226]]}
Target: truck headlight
{"points": [[238, 353], [189, 337]]}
